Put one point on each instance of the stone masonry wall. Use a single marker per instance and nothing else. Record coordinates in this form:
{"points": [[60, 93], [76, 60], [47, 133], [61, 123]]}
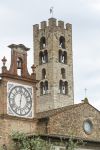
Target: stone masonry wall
{"points": [[70, 122], [53, 99], [9, 125]]}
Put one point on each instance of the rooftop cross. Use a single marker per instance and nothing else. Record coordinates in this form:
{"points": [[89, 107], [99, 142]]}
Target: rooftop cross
{"points": [[85, 92]]}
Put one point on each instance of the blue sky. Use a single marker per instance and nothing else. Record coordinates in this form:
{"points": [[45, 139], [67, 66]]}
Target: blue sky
{"points": [[18, 17]]}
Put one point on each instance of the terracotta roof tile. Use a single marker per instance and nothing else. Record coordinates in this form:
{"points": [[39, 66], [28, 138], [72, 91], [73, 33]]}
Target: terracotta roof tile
{"points": [[56, 111], [52, 112]]}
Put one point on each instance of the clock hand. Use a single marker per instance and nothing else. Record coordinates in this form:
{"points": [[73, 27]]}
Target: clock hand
{"points": [[20, 100]]}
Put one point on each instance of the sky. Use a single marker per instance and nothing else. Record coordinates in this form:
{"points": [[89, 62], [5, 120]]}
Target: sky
{"points": [[17, 18]]}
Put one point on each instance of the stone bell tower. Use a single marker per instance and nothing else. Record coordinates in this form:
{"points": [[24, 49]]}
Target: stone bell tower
{"points": [[54, 64], [20, 85], [17, 95]]}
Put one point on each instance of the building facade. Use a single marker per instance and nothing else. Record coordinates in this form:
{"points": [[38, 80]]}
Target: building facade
{"points": [[17, 96], [43, 103]]}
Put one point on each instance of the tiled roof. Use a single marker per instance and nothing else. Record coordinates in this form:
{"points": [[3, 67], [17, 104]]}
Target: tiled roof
{"points": [[73, 137], [64, 137], [49, 113], [52, 112]]}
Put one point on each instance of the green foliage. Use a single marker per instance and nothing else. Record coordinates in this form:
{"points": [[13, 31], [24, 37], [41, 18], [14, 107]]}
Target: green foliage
{"points": [[39, 144], [22, 142], [71, 145]]}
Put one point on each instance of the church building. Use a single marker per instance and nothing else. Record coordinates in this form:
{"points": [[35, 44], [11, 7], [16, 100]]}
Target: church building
{"points": [[43, 102]]}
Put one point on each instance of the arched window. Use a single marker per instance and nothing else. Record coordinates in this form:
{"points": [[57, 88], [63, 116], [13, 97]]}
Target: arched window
{"points": [[60, 56], [41, 88], [44, 88], [43, 74], [63, 57], [62, 42], [43, 57], [63, 87], [40, 57], [63, 73], [19, 66], [42, 43], [66, 87], [60, 86]]}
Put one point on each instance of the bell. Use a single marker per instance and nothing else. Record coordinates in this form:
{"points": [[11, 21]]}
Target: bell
{"points": [[19, 64]]}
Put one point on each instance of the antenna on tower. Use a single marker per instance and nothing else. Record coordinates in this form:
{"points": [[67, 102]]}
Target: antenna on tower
{"points": [[51, 11]]}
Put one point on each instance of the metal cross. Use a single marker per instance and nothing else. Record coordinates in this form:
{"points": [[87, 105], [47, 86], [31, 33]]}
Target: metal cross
{"points": [[85, 91]]}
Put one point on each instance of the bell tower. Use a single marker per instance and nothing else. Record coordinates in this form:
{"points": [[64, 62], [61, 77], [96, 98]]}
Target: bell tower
{"points": [[17, 95], [19, 89], [19, 60], [54, 64]]}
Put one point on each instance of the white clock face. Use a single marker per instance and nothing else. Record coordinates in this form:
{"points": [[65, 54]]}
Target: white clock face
{"points": [[20, 100]]}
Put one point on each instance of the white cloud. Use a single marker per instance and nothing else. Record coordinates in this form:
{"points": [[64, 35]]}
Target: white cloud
{"points": [[92, 4]]}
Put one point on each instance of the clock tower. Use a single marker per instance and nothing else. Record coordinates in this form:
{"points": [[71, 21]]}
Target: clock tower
{"points": [[17, 94]]}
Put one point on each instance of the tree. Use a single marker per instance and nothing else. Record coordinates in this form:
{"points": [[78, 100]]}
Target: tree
{"points": [[24, 142]]}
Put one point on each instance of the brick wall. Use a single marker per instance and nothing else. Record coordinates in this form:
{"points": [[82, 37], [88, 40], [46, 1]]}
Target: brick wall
{"points": [[14, 124]]}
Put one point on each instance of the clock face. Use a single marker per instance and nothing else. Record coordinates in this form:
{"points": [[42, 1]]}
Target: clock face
{"points": [[20, 100]]}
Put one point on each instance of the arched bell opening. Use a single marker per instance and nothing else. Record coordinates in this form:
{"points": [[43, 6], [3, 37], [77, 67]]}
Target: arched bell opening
{"points": [[19, 66]]}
